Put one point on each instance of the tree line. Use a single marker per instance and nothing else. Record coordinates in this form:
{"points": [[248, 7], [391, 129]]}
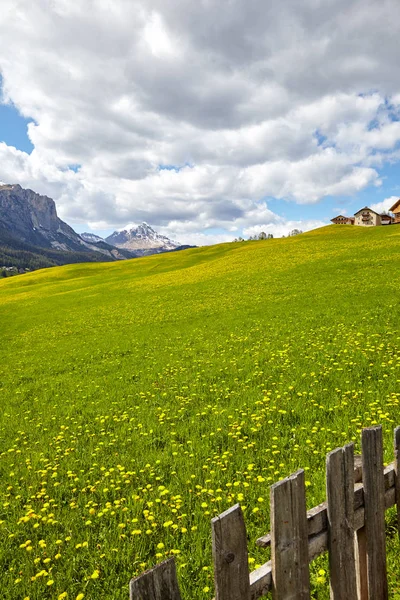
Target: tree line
{"points": [[266, 236]]}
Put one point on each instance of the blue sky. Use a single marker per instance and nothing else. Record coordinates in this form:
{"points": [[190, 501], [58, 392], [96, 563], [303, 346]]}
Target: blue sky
{"points": [[13, 131], [14, 128], [202, 122]]}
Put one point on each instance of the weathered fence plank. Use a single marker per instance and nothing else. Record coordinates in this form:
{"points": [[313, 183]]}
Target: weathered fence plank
{"points": [[261, 581], [361, 563], [340, 497], [289, 539], [298, 537], [396, 469], [229, 545], [317, 517], [374, 502], [159, 583]]}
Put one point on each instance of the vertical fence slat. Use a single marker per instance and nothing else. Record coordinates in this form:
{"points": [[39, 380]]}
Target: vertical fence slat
{"points": [[159, 583], [362, 567], [229, 545], [289, 539], [340, 497], [374, 500], [396, 470]]}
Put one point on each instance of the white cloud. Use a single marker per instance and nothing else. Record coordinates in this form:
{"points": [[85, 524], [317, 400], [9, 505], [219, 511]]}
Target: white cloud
{"points": [[296, 101], [385, 205]]}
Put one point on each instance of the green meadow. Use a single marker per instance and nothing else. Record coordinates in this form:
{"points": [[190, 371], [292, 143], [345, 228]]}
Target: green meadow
{"points": [[141, 398]]}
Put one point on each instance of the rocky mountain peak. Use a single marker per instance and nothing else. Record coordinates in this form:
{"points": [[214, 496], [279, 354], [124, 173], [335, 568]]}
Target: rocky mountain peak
{"points": [[31, 219], [141, 237]]}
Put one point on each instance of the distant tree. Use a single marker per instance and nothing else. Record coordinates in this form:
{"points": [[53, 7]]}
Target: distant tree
{"points": [[295, 232], [262, 236], [270, 236]]}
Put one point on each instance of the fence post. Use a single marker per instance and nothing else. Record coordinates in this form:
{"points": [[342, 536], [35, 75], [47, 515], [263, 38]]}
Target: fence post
{"points": [[158, 583], [229, 545], [289, 539], [374, 502], [396, 470], [340, 497]]}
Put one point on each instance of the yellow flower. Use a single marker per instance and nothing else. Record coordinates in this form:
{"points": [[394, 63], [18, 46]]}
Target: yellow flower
{"points": [[95, 574], [62, 596], [80, 596]]}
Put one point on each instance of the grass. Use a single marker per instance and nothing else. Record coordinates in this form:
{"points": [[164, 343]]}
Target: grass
{"points": [[141, 398]]}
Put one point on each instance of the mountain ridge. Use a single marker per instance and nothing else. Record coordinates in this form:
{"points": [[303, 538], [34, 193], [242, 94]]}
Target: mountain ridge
{"points": [[33, 236]]}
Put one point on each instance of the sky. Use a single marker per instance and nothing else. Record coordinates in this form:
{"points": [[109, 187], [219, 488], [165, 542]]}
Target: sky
{"points": [[208, 123]]}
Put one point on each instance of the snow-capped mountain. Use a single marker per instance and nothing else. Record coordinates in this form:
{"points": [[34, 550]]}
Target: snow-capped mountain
{"points": [[142, 237], [91, 238]]}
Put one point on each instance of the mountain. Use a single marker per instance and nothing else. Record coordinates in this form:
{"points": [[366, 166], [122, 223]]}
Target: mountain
{"points": [[33, 236], [91, 238], [142, 239]]}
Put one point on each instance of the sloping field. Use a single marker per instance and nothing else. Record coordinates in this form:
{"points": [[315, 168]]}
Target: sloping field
{"points": [[141, 398]]}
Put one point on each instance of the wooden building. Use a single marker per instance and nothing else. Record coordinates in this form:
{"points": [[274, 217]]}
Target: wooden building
{"points": [[366, 217], [396, 211], [386, 219], [342, 220]]}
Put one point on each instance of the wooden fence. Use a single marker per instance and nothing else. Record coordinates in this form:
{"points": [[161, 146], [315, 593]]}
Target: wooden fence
{"points": [[350, 525]]}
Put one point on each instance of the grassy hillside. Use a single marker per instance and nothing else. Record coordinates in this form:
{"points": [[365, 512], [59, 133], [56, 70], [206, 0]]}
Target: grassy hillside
{"points": [[142, 397]]}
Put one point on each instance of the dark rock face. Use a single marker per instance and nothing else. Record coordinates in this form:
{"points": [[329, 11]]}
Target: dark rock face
{"points": [[32, 218], [29, 223]]}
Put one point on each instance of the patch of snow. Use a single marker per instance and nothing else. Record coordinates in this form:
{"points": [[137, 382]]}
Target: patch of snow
{"points": [[91, 237]]}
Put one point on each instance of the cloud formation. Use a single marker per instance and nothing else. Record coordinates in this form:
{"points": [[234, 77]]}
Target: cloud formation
{"points": [[295, 101], [385, 205]]}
